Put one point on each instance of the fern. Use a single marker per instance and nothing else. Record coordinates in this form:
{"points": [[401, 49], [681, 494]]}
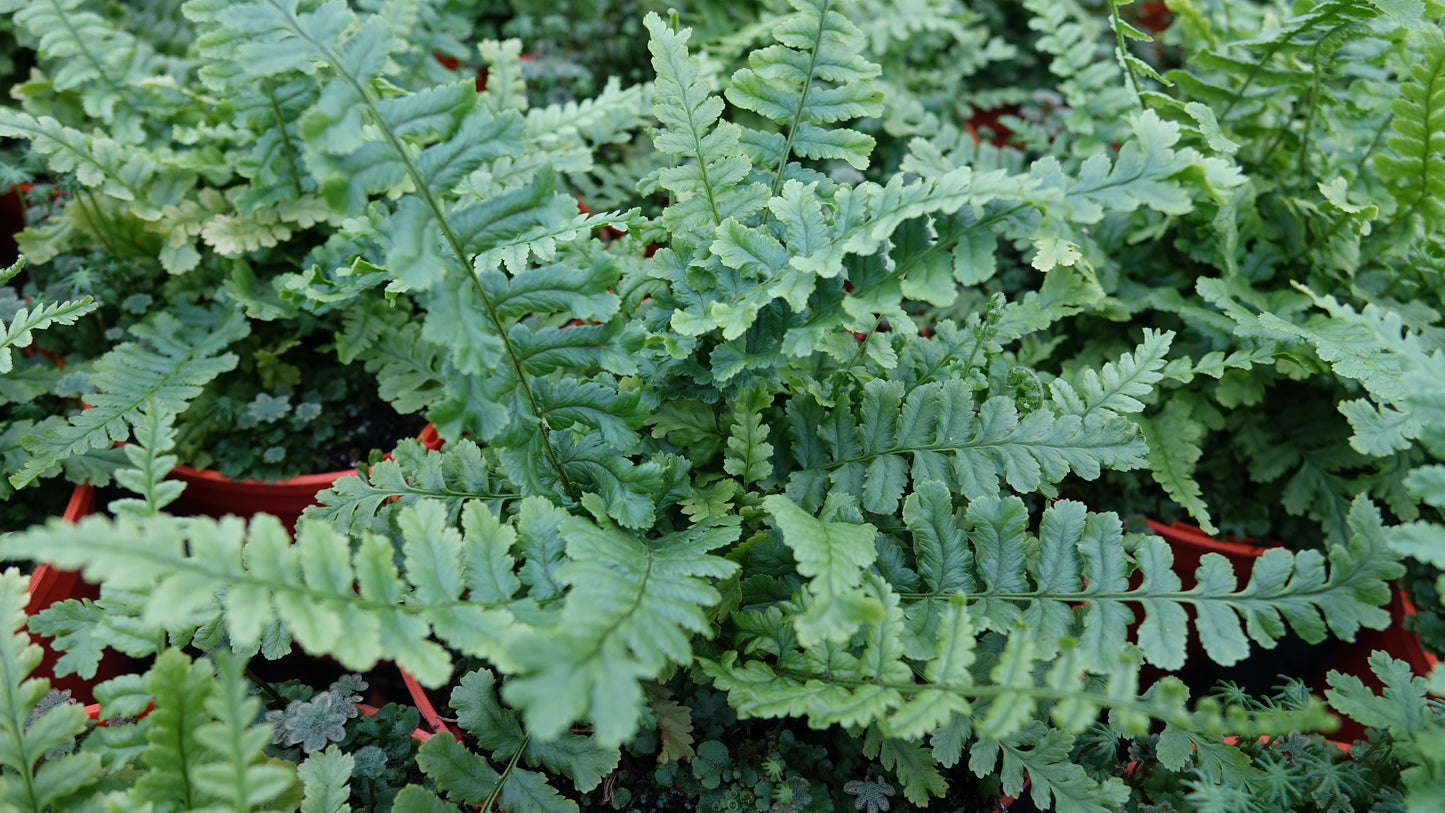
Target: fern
{"points": [[28, 785], [616, 628], [712, 187], [451, 233], [172, 370], [97, 161], [150, 464], [1054, 783], [814, 76], [950, 438], [470, 778], [21, 330], [102, 60], [326, 777], [805, 657], [1415, 169], [457, 473]]}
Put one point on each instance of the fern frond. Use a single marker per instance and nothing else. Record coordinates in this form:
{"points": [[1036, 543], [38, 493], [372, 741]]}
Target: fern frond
{"points": [[452, 475], [1416, 168], [150, 463], [20, 332], [709, 187], [234, 770], [204, 743], [581, 759], [1087, 82], [27, 784], [95, 57], [117, 170], [409, 369], [172, 366], [832, 556], [1174, 435], [326, 777], [625, 619], [1118, 386], [609, 117], [816, 75], [749, 454], [1054, 781], [938, 432], [633, 608], [1061, 600]]}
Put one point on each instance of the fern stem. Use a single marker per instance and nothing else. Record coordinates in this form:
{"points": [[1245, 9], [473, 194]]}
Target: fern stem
{"points": [[491, 800], [293, 158], [423, 191], [1124, 50], [802, 98]]}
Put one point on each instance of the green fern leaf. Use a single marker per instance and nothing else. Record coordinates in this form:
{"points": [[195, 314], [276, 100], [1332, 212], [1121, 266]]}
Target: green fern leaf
{"points": [[968, 449], [579, 758], [914, 765], [237, 772], [20, 332], [452, 475], [468, 778], [710, 189], [171, 370], [1055, 782], [1174, 435], [154, 438], [1417, 166], [749, 453], [945, 562], [181, 689], [833, 556], [326, 777], [24, 742], [815, 76], [948, 670], [114, 169], [1118, 386], [408, 369], [633, 608]]}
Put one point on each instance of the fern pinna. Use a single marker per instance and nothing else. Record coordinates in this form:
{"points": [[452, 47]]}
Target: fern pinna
{"points": [[740, 461]]}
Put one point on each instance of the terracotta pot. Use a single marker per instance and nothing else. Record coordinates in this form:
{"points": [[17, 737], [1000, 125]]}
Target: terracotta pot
{"points": [[1307, 662], [1259, 671], [1189, 545], [12, 222], [212, 494], [1403, 643], [988, 121], [1153, 17], [49, 585]]}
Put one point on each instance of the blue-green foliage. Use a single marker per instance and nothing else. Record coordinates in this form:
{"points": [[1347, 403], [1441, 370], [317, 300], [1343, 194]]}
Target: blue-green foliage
{"points": [[197, 745], [841, 511]]}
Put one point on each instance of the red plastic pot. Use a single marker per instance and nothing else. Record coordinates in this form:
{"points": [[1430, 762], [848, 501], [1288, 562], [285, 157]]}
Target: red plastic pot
{"points": [[988, 121], [49, 585], [212, 494], [1153, 17], [12, 222], [1189, 545], [1403, 643]]}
